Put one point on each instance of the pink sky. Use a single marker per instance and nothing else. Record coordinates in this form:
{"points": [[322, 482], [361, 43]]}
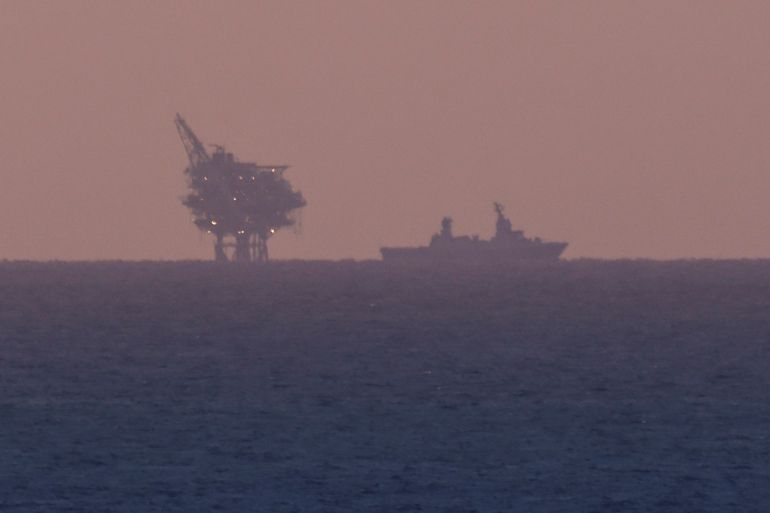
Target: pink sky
{"points": [[629, 129]]}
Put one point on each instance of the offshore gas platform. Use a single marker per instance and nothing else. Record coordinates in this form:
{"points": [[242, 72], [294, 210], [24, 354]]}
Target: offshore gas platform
{"points": [[241, 203]]}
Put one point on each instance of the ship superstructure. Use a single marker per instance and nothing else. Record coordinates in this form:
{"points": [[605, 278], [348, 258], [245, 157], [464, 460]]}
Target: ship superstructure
{"points": [[506, 245]]}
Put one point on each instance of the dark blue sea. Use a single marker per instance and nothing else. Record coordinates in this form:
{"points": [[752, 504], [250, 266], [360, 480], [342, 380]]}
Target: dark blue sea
{"points": [[580, 386]]}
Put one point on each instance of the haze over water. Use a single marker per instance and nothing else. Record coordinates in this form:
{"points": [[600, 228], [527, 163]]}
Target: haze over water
{"points": [[627, 129]]}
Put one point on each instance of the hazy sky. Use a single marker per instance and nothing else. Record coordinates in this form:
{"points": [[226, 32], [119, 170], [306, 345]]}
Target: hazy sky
{"points": [[628, 129]]}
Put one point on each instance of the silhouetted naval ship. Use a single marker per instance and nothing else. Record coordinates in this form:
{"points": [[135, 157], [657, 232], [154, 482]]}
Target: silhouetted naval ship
{"points": [[507, 245]]}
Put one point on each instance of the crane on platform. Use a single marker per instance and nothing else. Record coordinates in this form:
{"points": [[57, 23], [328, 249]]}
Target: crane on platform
{"points": [[196, 152]]}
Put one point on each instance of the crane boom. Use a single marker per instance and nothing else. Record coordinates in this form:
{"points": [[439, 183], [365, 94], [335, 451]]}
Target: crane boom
{"points": [[192, 145]]}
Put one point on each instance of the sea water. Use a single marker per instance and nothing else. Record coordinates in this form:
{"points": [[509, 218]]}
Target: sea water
{"points": [[629, 386]]}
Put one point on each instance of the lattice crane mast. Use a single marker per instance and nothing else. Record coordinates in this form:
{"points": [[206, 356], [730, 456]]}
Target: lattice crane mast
{"points": [[196, 152]]}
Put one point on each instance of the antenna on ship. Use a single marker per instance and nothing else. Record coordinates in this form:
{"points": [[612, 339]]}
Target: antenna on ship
{"points": [[503, 227]]}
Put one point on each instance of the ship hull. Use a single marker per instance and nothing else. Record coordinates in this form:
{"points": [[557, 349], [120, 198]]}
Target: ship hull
{"points": [[481, 252]]}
